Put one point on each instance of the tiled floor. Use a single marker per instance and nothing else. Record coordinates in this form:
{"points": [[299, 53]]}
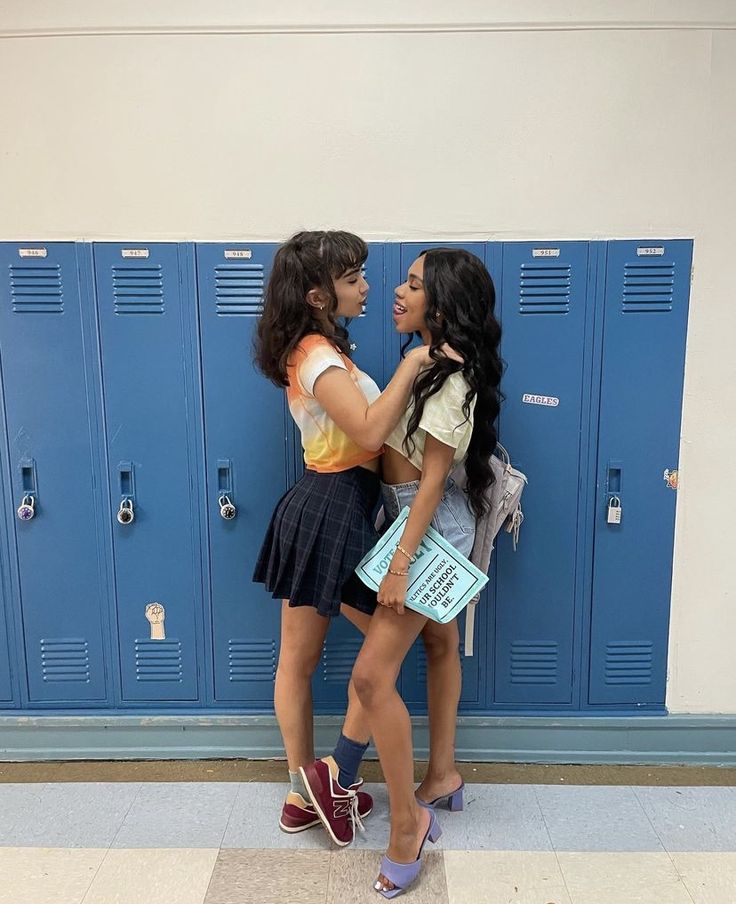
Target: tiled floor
{"points": [[218, 843]]}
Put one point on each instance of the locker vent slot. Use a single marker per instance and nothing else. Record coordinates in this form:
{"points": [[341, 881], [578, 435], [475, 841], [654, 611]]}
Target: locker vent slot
{"points": [[629, 662], [239, 289], [36, 290], [534, 662], [544, 288], [338, 658], [138, 290], [422, 661], [252, 660], [65, 659], [648, 288], [158, 660]]}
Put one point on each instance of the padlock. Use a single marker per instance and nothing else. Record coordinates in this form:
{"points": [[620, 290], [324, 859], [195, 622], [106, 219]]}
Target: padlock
{"points": [[227, 509], [614, 510], [27, 508], [126, 515]]}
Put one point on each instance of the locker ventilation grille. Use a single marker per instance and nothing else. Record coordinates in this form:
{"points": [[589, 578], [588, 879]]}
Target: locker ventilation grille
{"points": [[239, 289], [544, 288], [158, 660], [65, 659], [138, 290], [252, 660], [338, 658], [36, 290], [629, 662], [648, 288], [534, 662], [422, 662]]}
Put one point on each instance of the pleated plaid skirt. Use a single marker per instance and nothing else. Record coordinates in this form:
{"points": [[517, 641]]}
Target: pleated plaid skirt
{"points": [[320, 529]]}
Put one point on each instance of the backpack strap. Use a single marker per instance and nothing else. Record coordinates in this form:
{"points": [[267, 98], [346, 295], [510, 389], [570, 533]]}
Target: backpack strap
{"points": [[470, 625]]}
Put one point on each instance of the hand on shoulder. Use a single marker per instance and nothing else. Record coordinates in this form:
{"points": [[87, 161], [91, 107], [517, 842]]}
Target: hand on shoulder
{"points": [[423, 358]]}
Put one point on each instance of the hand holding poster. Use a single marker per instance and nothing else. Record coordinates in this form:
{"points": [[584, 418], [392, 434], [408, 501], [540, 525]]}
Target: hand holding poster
{"points": [[441, 580]]}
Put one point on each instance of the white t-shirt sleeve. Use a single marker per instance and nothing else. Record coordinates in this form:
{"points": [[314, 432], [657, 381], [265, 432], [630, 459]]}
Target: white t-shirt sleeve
{"points": [[443, 415], [316, 363]]}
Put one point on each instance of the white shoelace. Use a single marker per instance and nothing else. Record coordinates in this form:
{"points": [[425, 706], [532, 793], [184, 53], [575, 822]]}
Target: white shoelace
{"points": [[354, 814]]}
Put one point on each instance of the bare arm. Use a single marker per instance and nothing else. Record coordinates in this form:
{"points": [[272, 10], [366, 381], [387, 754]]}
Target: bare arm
{"points": [[368, 425], [436, 465]]}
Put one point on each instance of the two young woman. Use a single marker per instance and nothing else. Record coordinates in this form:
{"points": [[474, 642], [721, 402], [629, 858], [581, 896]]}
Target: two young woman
{"points": [[438, 411]]}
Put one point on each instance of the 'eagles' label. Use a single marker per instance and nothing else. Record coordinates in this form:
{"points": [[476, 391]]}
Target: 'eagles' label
{"points": [[530, 399]]}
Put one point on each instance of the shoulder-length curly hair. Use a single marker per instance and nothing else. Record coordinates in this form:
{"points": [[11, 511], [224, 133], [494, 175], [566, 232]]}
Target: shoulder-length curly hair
{"points": [[308, 260]]}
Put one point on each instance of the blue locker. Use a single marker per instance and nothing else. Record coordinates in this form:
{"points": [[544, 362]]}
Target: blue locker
{"points": [[246, 460], [646, 305], [147, 315], [6, 657], [544, 307], [414, 672], [51, 430], [6, 678], [368, 334]]}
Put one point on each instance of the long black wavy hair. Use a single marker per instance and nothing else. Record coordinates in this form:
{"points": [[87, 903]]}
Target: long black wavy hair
{"points": [[308, 260], [461, 301]]}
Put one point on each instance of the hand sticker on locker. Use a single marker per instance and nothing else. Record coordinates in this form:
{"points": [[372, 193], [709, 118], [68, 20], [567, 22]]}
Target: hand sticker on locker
{"points": [[155, 613]]}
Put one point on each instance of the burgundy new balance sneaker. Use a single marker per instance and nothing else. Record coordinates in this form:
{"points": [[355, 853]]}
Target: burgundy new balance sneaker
{"points": [[340, 809], [298, 815]]}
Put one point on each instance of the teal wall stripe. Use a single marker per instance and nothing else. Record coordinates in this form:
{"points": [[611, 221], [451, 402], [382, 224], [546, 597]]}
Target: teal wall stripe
{"points": [[688, 739]]}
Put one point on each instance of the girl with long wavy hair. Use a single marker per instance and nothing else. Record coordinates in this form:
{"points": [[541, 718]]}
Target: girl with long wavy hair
{"points": [[448, 298]]}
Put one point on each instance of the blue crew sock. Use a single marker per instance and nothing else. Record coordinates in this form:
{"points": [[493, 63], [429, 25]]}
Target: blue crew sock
{"points": [[348, 755]]}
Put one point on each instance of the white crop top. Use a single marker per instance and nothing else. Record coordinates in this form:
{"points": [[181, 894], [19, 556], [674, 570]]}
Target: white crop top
{"points": [[443, 418]]}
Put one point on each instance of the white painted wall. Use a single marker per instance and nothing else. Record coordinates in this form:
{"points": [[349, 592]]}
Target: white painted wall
{"points": [[185, 120]]}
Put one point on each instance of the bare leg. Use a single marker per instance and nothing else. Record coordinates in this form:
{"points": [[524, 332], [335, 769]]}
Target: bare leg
{"points": [[444, 684], [375, 673], [303, 632], [355, 725]]}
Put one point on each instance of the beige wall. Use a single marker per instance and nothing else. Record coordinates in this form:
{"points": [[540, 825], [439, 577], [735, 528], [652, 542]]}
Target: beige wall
{"points": [[407, 120]]}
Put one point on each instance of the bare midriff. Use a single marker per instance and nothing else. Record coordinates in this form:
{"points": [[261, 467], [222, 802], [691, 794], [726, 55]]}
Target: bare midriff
{"points": [[397, 468], [373, 465]]}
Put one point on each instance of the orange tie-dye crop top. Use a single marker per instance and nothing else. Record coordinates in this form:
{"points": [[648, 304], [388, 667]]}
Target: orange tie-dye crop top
{"points": [[327, 448]]}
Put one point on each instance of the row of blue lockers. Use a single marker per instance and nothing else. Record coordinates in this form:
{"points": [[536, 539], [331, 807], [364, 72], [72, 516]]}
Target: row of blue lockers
{"points": [[142, 455]]}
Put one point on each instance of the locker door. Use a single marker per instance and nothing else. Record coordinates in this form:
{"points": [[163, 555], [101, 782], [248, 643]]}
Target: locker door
{"points": [[51, 428], [245, 446], [147, 316], [646, 303], [367, 333], [543, 307], [414, 672], [6, 683]]}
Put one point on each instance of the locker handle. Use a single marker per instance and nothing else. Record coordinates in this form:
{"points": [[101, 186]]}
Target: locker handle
{"points": [[614, 478], [26, 511], [225, 489], [126, 512]]}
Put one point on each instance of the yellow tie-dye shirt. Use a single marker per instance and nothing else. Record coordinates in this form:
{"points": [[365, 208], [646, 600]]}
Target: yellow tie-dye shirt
{"points": [[327, 448]]}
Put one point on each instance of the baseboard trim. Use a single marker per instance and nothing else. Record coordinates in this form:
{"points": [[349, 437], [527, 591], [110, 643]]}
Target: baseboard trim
{"points": [[687, 739]]}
